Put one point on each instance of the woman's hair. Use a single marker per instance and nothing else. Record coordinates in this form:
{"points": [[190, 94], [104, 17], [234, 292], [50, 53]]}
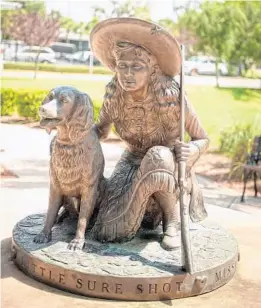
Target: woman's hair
{"points": [[164, 87]]}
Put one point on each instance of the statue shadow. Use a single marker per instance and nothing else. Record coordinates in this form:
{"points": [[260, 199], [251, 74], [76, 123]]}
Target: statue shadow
{"points": [[134, 248]]}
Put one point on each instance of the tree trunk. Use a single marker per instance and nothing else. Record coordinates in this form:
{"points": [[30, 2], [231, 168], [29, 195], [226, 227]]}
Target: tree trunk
{"points": [[67, 36], [217, 74], [16, 50], [36, 64], [80, 42]]}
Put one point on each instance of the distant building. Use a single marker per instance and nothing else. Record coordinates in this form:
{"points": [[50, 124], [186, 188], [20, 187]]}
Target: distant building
{"points": [[81, 41]]}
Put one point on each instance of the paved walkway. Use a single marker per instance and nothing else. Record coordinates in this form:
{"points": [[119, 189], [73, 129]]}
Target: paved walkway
{"points": [[25, 151], [226, 82]]}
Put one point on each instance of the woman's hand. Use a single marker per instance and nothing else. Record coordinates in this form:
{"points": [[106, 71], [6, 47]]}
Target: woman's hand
{"points": [[181, 150]]}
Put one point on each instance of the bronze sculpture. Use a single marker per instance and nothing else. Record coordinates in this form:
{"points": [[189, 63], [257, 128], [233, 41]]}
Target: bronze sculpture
{"points": [[145, 104], [142, 101], [77, 162]]}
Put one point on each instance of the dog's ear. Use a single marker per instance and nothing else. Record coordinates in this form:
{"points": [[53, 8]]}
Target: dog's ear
{"points": [[82, 118], [83, 113]]}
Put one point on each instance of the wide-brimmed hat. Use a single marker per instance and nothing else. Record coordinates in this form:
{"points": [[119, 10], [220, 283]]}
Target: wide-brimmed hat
{"points": [[107, 33]]}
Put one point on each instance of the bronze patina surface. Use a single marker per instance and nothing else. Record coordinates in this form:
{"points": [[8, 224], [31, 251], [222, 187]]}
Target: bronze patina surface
{"points": [[76, 162], [153, 186], [136, 270]]}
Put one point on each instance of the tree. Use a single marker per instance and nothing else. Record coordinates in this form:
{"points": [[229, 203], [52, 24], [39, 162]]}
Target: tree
{"points": [[33, 7], [81, 28], [34, 29], [247, 47], [228, 30], [128, 8], [125, 8], [68, 24], [25, 7], [169, 25], [214, 26], [91, 24]]}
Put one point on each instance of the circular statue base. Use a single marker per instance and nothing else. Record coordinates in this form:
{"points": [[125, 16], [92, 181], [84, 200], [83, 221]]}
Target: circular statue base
{"points": [[135, 270]]}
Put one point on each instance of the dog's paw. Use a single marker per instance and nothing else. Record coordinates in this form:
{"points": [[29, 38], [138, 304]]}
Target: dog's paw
{"points": [[43, 237], [76, 244]]}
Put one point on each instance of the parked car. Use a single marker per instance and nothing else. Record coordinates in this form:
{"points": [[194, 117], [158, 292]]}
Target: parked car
{"points": [[29, 54], [78, 57], [82, 57], [204, 66], [62, 49]]}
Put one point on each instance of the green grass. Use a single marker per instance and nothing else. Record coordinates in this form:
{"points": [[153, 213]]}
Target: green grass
{"points": [[47, 67], [216, 108], [221, 108], [94, 88]]}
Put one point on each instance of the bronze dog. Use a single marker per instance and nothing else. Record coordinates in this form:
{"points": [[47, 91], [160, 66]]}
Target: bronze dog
{"points": [[77, 162]]}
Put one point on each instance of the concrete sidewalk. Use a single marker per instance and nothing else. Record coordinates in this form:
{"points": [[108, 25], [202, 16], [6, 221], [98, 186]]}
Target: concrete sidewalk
{"points": [[224, 81], [25, 151]]}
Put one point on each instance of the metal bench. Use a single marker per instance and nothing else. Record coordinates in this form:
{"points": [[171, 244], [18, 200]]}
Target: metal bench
{"points": [[253, 166]]}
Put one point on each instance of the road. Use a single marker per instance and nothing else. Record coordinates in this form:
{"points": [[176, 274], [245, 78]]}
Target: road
{"points": [[230, 82]]}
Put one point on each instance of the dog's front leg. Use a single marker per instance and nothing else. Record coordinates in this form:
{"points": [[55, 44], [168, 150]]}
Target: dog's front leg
{"points": [[86, 209], [55, 202]]}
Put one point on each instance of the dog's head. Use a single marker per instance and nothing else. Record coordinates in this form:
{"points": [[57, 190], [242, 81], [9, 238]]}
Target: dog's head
{"points": [[66, 106]]}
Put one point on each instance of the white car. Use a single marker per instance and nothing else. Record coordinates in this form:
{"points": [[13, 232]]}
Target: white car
{"points": [[82, 57], [204, 66], [79, 56], [29, 54]]}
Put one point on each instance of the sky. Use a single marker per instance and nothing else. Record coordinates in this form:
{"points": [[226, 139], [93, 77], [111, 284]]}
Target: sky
{"points": [[81, 10]]}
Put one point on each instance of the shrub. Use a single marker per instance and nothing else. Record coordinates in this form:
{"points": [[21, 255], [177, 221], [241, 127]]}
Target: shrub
{"points": [[29, 102], [8, 102], [236, 142], [56, 68], [96, 108], [26, 103]]}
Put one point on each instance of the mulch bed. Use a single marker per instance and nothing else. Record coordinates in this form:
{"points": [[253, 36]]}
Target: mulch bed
{"points": [[216, 167]]}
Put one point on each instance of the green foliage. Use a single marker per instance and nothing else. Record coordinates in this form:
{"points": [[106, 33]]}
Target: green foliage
{"points": [[27, 102], [217, 108], [126, 8], [26, 7], [228, 30], [33, 6], [252, 73], [236, 142], [213, 26], [247, 43], [96, 109], [56, 68], [8, 101], [169, 25]]}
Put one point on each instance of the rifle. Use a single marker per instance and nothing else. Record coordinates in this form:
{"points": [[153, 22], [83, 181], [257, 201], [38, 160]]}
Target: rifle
{"points": [[186, 254]]}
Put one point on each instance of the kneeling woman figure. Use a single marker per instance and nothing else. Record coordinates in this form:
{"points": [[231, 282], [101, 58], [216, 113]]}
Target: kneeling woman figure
{"points": [[142, 101]]}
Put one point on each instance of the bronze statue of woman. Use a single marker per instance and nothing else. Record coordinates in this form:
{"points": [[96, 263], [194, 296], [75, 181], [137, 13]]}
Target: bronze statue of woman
{"points": [[142, 102]]}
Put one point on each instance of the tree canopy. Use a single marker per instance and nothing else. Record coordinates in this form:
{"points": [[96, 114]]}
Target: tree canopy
{"points": [[229, 30]]}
